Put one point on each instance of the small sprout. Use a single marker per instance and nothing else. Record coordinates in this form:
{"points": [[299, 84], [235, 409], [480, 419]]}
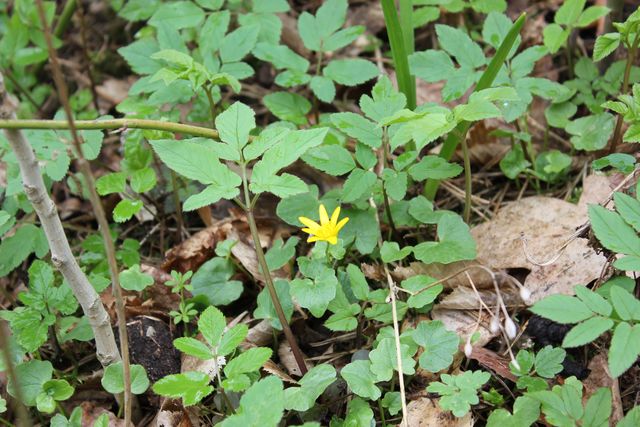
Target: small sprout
{"points": [[525, 294], [327, 230]]}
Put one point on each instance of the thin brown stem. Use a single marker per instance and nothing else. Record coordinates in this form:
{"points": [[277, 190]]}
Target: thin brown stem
{"points": [[262, 261], [631, 56], [98, 209], [24, 420], [467, 180], [87, 57]]}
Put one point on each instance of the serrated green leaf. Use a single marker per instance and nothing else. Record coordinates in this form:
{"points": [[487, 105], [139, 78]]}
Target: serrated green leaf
{"points": [[613, 232], [562, 309], [190, 386], [361, 380], [350, 72], [624, 348], [439, 345], [357, 184], [332, 159]]}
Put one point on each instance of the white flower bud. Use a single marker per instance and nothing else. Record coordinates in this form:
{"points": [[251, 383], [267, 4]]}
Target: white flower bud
{"points": [[525, 294], [510, 328], [494, 326], [468, 348]]}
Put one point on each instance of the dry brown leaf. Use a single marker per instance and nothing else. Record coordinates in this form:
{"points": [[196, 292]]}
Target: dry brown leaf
{"points": [[493, 361], [599, 376], [271, 367], [193, 252], [289, 361], [425, 412], [258, 335]]}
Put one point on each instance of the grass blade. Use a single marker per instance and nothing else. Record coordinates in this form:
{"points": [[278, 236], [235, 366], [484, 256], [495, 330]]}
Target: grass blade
{"points": [[399, 51]]}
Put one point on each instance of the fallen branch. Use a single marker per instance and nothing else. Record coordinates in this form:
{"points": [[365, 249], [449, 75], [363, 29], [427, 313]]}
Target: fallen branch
{"points": [[61, 255]]}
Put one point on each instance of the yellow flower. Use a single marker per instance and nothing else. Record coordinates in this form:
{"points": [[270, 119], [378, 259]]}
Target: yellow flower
{"points": [[327, 230]]}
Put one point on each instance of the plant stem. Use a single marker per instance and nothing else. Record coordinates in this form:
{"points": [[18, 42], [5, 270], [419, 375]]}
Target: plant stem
{"points": [[631, 56], [98, 210], [467, 180], [61, 254], [112, 124], [486, 80], [399, 52], [262, 261], [24, 420], [212, 106], [385, 197]]}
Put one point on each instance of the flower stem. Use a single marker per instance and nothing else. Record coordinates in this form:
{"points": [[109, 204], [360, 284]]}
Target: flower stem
{"points": [[262, 261]]}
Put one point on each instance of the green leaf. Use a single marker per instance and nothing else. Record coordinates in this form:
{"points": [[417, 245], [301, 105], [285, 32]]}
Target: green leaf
{"points": [[554, 37], [315, 295], [235, 124], [143, 180], [434, 167], [613, 232], [213, 281], [598, 409], [549, 361], [421, 297], [363, 227], [332, 159], [439, 345], [190, 386], [629, 208], [288, 106], [390, 252], [197, 162], [125, 209], [58, 389], [280, 254], [384, 101], [358, 128], [265, 309], [110, 183], [16, 248], [592, 132], [591, 14], [562, 309], [359, 285], [569, 13], [113, 379], [594, 301], [624, 349], [632, 418], [350, 72], [283, 185], [587, 331], [395, 183], [249, 361], [323, 88], [455, 243], [133, 279], [261, 406], [384, 360], [178, 15], [459, 45], [431, 65], [342, 38], [238, 43], [626, 304], [193, 347], [358, 184], [460, 391], [632, 134], [312, 385], [232, 339], [282, 57], [361, 380], [525, 412], [211, 324], [31, 376]]}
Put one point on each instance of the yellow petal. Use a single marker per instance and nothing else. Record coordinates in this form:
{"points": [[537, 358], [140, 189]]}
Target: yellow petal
{"points": [[310, 230], [342, 223], [308, 222], [332, 239], [324, 217], [312, 239], [335, 215]]}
